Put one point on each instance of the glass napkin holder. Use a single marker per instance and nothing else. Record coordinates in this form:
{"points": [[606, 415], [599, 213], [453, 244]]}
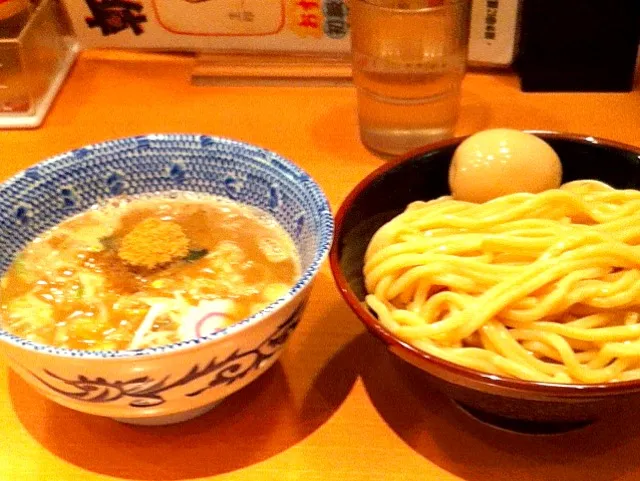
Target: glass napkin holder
{"points": [[35, 59]]}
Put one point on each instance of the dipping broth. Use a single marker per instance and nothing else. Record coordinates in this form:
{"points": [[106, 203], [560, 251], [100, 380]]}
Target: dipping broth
{"points": [[146, 271]]}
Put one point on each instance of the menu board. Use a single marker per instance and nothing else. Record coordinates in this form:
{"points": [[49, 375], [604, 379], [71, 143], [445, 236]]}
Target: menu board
{"points": [[213, 25]]}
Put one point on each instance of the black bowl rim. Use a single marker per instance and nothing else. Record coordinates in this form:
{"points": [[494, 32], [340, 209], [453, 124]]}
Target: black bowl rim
{"points": [[556, 390]]}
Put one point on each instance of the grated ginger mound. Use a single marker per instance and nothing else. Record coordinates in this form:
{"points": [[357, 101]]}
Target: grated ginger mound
{"points": [[153, 242]]}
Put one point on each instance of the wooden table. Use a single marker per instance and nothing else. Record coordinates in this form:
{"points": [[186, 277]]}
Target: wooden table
{"points": [[336, 407]]}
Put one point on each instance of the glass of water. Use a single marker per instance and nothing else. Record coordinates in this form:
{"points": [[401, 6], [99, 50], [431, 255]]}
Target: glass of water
{"points": [[409, 59]]}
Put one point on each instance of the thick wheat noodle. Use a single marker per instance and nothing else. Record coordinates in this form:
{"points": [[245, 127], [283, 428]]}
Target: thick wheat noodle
{"points": [[540, 287]]}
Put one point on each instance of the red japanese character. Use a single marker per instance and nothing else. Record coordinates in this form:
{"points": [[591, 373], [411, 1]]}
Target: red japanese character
{"points": [[310, 20], [307, 5]]}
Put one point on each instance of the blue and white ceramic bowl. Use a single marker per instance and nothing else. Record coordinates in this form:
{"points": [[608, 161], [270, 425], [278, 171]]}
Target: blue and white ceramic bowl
{"points": [[179, 381]]}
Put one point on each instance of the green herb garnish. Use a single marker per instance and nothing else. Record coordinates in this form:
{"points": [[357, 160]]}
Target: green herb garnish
{"points": [[19, 266], [109, 243], [195, 254]]}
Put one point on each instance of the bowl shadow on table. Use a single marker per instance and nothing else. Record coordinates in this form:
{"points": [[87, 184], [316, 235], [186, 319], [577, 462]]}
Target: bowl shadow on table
{"points": [[250, 426], [434, 427]]}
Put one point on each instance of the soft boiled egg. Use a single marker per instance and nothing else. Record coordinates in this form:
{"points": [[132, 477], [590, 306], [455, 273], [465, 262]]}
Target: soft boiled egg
{"points": [[497, 162]]}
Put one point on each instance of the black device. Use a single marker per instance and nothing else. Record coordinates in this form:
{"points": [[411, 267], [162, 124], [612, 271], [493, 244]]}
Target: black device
{"points": [[578, 45]]}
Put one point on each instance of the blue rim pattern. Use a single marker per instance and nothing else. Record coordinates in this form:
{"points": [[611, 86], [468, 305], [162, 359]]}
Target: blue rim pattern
{"points": [[78, 190]]}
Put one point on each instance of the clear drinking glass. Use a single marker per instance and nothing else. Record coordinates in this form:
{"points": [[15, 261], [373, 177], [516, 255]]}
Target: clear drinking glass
{"points": [[409, 59]]}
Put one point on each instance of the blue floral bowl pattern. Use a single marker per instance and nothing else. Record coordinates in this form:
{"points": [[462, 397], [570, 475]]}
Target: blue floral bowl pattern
{"points": [[201, 371]]}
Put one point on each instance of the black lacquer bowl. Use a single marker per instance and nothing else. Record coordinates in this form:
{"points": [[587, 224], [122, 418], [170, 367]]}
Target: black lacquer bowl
{"points": [[422, 175]]}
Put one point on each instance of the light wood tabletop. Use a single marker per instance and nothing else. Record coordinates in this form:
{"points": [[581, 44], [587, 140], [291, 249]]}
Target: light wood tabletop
{"points": [[336, 406]]}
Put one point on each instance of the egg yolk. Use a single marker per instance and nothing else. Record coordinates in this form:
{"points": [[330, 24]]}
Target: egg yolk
{"points": [[497, 162]]}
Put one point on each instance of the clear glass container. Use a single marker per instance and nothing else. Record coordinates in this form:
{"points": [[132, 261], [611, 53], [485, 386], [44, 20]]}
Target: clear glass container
{"points": [[37, 49]]}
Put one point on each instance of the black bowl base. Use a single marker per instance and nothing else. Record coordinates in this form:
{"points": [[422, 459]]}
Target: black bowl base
{"points": [[521, 426]]}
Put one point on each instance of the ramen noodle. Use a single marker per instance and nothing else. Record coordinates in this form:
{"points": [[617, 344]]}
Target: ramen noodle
{"points": [[540, 287]]}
